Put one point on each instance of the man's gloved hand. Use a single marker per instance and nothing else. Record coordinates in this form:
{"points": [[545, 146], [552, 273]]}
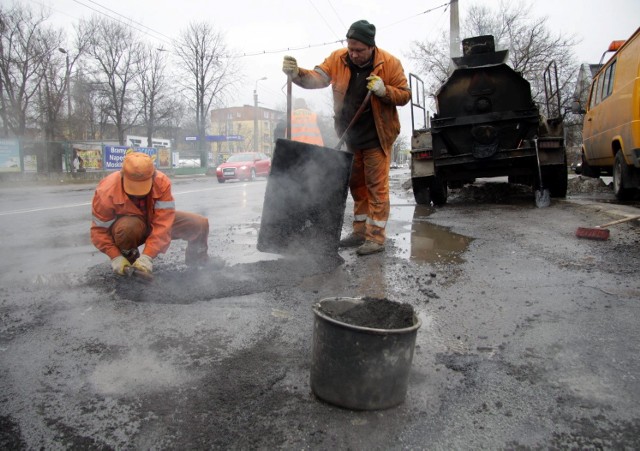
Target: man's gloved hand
{"points": [[119, 263], [376, 85], [290, 66], [144, 263]]}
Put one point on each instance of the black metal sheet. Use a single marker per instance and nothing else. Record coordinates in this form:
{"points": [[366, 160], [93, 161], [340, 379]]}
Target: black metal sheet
{"points": [[305, 199]]}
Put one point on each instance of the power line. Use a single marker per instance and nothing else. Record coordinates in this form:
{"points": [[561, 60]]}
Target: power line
{"points": [[288, 49], [128, 22], [171, 41], [444, 5], [336, 13], [163, 37], [323, 19]]}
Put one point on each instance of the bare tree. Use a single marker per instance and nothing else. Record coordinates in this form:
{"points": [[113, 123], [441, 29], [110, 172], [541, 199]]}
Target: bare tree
{"points": [[53, 82], [115, 50], [211, 72], [22, 57], [432, 60], [157, 107], [91, 108], [532, 46], [399, 145]]}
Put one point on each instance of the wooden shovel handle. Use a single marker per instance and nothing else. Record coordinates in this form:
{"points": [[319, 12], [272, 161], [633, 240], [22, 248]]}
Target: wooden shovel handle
{"points": [[289, 109], [353, 121]]}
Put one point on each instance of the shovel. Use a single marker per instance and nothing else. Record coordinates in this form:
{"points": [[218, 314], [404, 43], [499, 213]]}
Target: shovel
{"points": [[306, 195], [543, 197]]}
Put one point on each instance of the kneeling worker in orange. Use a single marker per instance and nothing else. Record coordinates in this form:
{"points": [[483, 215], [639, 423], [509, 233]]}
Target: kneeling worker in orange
{"points": [[135, 206]]}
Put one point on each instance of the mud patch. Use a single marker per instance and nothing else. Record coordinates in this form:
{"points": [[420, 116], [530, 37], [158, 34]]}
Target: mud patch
{"points": [[581, 185], [189, 285], [599, 432], [494, 193], [244, 392], [373, 313], [10, 435]]}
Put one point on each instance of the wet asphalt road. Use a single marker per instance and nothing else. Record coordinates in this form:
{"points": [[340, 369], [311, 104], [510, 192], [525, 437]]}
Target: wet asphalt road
{"points": [[529, 336]]}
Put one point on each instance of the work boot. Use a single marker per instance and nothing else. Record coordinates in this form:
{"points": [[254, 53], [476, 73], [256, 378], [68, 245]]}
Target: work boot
{"points": [[370, 247], [352, 240]]}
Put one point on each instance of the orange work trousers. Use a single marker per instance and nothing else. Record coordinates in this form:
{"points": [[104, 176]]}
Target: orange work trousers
{"points": [[369, 186], [129, 232]]}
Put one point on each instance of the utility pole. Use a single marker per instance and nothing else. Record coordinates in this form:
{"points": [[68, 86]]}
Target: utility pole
{"points": [[454, 33], [68, 81], [255, 115]]}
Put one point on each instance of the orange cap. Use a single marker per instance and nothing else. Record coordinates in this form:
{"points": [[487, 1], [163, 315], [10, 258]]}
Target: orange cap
{"points": [[137, 173]]}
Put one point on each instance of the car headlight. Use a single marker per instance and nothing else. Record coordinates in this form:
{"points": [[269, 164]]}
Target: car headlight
{"points": [[243, 167]]}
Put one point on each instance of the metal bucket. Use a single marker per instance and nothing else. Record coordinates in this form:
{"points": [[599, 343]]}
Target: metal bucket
{"points": [[356, 367]]}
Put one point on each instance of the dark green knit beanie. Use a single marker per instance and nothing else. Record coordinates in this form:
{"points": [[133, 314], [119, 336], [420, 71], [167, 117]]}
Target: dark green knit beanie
{"points": [[363, 31]]}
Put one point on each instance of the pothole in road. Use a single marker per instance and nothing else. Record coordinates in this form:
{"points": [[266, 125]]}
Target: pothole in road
{"points": [[205, 284]]}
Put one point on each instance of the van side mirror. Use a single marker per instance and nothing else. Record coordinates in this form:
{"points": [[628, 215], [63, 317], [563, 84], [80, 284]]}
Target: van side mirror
{"points": [[576, 108]]}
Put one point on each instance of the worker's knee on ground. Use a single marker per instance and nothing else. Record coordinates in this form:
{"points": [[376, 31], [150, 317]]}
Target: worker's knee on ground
{"points": [[128, 232]]}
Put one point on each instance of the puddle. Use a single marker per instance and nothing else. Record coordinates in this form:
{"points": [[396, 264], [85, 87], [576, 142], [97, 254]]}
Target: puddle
{"points": [[422, 241]]}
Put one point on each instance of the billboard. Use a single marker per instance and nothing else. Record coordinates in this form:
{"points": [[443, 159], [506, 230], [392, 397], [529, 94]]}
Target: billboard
{"points": [[9, 155], [113, 155]]}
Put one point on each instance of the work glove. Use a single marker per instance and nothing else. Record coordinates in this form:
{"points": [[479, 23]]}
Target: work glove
{"points": [[119, 263], [290, 66], [144, 263], [376, 85]]}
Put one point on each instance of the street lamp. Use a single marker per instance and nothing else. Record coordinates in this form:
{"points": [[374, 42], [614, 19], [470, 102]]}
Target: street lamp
{"points": [[68, 79], [255, 114]]}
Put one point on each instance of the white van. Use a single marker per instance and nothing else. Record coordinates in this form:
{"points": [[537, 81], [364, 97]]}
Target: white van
{"points": [[611, 129]]}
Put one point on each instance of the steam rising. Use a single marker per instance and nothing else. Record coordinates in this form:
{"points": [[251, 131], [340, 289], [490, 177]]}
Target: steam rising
{"points": [[305, 199]]}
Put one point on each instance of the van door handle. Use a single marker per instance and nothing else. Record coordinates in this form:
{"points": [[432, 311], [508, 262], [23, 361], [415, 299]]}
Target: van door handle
{"points": [[589, 119]]}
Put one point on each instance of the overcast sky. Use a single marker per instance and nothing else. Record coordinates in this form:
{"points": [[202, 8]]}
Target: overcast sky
{"points": [[261, 30]]}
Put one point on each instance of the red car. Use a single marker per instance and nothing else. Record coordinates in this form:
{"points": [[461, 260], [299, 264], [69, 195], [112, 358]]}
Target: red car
{"points": [[244, 166]]}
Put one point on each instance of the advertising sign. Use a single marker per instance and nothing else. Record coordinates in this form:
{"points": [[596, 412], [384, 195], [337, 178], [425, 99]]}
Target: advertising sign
{"points": [[89, 156], [164, 157], [9, 155], [30, 163], [113, 155]]}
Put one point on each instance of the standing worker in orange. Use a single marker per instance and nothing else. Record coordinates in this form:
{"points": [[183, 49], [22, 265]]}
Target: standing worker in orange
{"points": [[352, 72], [135, 206], [304, 124]]}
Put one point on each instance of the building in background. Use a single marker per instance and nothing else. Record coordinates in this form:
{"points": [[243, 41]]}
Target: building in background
{"points": [[141, 141], [239, 121]]}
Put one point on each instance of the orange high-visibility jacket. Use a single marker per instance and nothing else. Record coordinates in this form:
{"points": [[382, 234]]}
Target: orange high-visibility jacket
{"points": [[304, 127], [335, 71], [111, 202]]}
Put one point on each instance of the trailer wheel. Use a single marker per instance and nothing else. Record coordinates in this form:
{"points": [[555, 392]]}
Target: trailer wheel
{"points": [[621, 178], [421, 190], [556, 180], [438, 190]]}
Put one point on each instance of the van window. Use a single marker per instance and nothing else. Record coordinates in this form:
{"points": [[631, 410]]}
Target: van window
{"points": [[608, 80], [593, 95], [600, 84]]}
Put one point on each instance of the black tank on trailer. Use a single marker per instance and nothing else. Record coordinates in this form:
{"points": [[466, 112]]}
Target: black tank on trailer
{"points": [[487, 125]]}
